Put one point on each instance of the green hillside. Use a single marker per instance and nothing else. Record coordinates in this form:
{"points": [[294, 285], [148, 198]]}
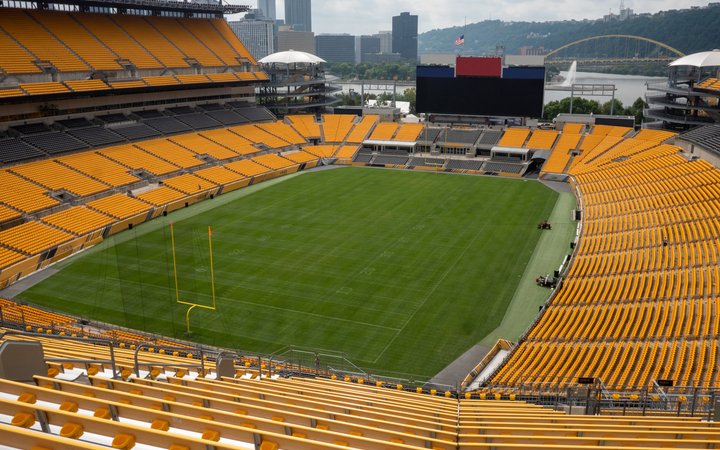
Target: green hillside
{"points": [[687, 31]]}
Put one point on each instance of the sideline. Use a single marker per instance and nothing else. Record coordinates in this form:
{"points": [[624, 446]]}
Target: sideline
{"points": [[549, 252]]}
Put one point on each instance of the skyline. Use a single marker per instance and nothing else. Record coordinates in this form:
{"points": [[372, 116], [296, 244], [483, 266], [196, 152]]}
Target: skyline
{"points": [[370, 16]]}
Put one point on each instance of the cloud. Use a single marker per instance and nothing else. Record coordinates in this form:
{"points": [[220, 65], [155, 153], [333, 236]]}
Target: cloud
{"points": [[359, 17]]}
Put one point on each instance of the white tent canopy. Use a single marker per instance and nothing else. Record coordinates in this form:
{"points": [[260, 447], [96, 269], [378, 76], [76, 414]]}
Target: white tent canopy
{"points": [[702, 59], [291, 57]]}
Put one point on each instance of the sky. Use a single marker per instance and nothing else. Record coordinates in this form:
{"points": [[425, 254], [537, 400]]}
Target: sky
{"points": [[360, 17]]}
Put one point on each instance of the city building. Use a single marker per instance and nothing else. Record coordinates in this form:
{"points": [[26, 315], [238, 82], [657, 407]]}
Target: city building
{"points": [[527, 51], [256, 32], [625, 13], [268, 8], [335, 47], [404, 35], [289, 39], [298, 14], [385, 41], [369, 45]]}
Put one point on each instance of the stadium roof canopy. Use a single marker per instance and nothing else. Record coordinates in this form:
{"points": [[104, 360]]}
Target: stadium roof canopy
{"points": [[291, 57], [702, 59]]}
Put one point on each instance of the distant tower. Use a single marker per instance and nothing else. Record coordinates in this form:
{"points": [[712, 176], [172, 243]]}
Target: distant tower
{"points": [[404, 35], [298, 14], [268, 8]]}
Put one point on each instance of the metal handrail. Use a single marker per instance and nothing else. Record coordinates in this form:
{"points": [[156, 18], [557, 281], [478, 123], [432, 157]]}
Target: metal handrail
{"points": [[109, 343]]}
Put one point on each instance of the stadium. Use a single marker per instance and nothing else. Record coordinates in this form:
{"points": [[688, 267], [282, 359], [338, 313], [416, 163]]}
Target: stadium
{"points": [[180, 268]]}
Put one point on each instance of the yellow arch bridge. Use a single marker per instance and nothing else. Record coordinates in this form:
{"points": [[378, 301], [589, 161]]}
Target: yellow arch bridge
{"points": [[614, 49]]}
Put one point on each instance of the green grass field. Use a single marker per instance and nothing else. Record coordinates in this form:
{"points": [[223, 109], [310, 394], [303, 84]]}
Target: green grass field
{"points": [[402, 270]]}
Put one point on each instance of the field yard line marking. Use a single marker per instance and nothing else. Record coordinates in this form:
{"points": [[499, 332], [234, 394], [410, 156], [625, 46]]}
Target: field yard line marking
{"points": [[438, 283]]}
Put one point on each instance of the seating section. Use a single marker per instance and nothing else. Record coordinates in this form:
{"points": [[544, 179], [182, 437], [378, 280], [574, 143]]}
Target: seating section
{"points": [[707, 137], [171, 152], [9, 257], [119, 206], [409, 132], [360, 131], [167, 125], [12, 150], [346, 151], [490, 138], [427, 162], [273, 161], [363, 158], [99, 168], [7, 214], [282, 131], [32, 238], [502, 167], [198, 121], [560, 156], [391, 160], [78, 220], [321, 151], [189, 184], [55, 177], [36, 40], [54, 143], [300, 157], [198, 144], [247, 167], [306, 126], [514, 137], [24, 195], [255, 114], [335, 128], [607, 130], [260, 136], [711, 83], [542, 139], [230, 140], [384, 131], [226, 117], [428, 135], [135, 132], [637, 301], [458, 137], [136, 158], [464, 164], [573, 128], [96, 136], [160, 196], [218, 175]]}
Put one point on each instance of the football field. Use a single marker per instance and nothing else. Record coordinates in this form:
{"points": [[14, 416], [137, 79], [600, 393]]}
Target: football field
{"points": [[401, 270]]}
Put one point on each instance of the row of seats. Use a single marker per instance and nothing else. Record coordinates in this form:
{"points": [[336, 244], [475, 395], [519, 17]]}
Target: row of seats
{"points": [[360, 130], [542, 139], [167, 405], [32, 237], [306, 126], [336, 127], [78, 220], [639, 301], [73, 42], [514, 137], [57, 87], [560, 156]]}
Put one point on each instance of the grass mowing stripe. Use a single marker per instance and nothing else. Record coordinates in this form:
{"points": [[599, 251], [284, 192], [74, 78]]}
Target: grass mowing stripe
{"points": [[341, 259]]}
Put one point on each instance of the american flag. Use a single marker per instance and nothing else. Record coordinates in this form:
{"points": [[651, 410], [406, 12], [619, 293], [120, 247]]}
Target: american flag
{"points": [[460, 40]]}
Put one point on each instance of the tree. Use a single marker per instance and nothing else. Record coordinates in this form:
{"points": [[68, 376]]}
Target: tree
{"points": [[617, 107], [580, 106]]}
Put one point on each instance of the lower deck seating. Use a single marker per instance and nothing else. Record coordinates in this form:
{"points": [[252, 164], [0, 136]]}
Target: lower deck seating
{"points": [[394, 160], [464, 164], [502, 167], [119, 206], [430, 162], [12, 150]]}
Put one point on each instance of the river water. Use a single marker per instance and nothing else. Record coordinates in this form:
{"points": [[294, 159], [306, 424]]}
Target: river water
{"points": [[628, 87]]}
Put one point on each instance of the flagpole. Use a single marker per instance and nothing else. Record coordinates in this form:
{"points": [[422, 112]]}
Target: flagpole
{"points": [[465, 36]]}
